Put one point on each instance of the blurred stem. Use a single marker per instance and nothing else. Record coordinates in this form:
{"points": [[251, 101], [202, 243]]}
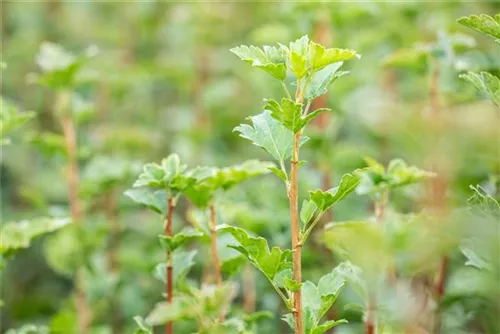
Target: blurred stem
{"points": [[249, 294], [294, 217], [170, 280], [215, 252], [112, 214], [63, 110]]}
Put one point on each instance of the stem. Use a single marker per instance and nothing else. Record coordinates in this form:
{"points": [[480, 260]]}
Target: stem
{"points": [[370, 322], [296, 244], [113, 265], [440, 288], [249, 293], [62, 107], [169, 329], [215, 253]]}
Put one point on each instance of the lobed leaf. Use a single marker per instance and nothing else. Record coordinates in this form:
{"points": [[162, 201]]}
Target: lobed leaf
{"points": [[270, 59], [19, 235], [269, 134], [256, 250], [483, 23], [319, 57], [11, 119], [325, 199], [171, 243], [486, 83], [155, 200], [321, 79]]}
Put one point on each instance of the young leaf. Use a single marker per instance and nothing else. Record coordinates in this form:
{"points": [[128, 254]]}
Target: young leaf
{"points": [[288, 113], [320, 57], [486, 83], [325, 199], [271, 59], [321, 79], [143, 326], [307, 211], [155, 200], [329, 324], [483, 23], [171, 243], [164, 176], [256, 250], [269, 134], [11, 119], [18, 235], [279, 173], [182, 263]]}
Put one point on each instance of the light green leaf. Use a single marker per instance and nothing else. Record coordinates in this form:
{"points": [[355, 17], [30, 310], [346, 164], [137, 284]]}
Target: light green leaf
{"points": [[280, 173], [167, 175], [298, 64], [483, 23], [486, 83], [29, 329], [171, 243], [307, 211], [11, 119], [309, 117], [329, 324], [474, 260], [325, 199], [256, 250], [321, 79], [182, 262], [16, 236], [211, 179], [288, 113], [320, 57], [155, 200], [375, 179], [143, 326], [180, 308], [269, 134], [270, 59]]}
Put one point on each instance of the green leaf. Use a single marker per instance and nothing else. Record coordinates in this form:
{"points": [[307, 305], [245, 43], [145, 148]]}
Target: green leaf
{"points": [[307, 211], [321, 79], [474, 260], [280, 173], [16, 236], [325, 199], [269, 134], [270, 59], [171, 243], [329, 324], [256, 250], [320, 57], [298, 64], [155, 200], [167, 175], [232, 266], [288, 113], [143, 326], [29, 329], [210, 179], [182, 262], [486, 83], [317, 300], [483, 23], [180, 308], [11, 119], [375, 179]]}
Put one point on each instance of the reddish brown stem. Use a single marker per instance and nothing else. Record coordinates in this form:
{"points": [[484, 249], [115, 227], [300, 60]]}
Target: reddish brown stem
{"points": [[113, 265], [296, 245], [249, 294], [62, 104], [370, 322], [215, 252], [169, 285]]}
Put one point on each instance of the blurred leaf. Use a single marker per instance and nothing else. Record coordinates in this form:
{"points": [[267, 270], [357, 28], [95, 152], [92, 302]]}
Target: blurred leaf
{"points": [[483, 23], [11, 119], [19, 235], [486, 83], [182, 262], [29, 329], [143, 326], [171, 243]]}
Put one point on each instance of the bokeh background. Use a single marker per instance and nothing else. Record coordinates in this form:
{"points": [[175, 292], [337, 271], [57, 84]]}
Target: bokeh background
{"points": [[164, 81]]}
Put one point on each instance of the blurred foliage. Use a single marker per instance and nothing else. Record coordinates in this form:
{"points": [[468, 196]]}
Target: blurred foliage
{"points": [[144, 79]]}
